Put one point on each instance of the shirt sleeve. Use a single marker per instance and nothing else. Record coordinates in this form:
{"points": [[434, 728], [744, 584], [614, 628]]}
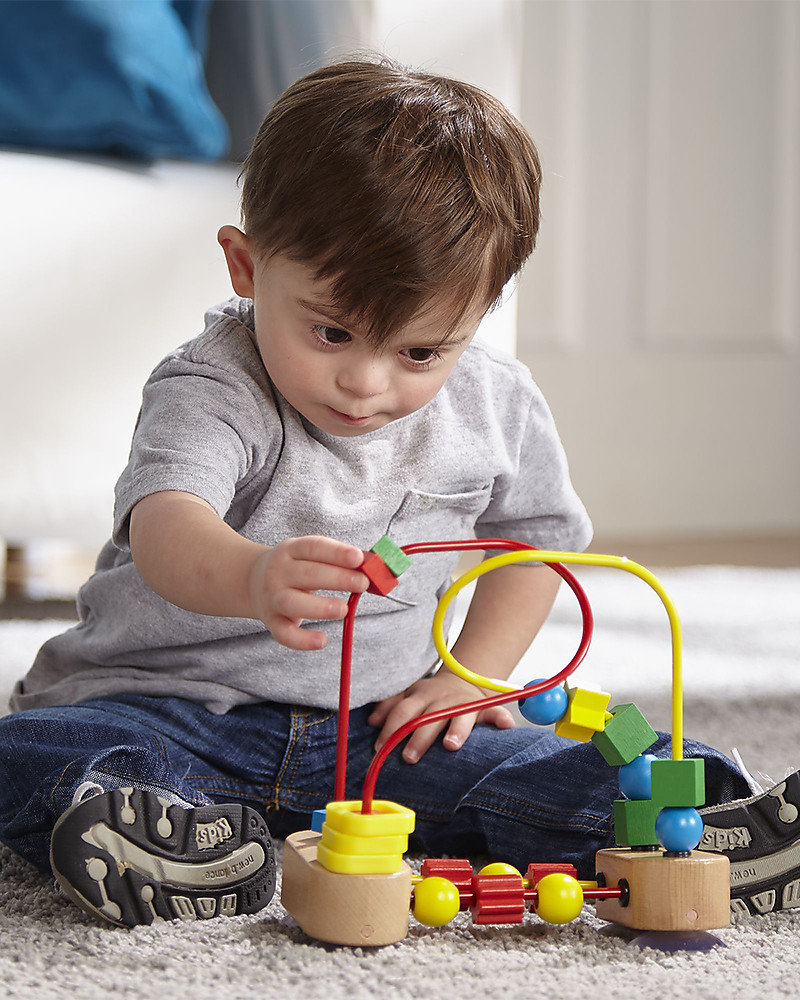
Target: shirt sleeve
{"points": [[200, 430], [534, 500]]}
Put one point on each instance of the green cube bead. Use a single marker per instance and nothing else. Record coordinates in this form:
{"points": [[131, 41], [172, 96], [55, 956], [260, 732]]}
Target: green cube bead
{"points": [[394, 557], [625, 736], [679, 782], [635, 822]]}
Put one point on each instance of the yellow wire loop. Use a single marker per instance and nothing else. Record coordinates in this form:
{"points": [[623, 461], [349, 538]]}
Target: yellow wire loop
{"points": [[580, 558]]}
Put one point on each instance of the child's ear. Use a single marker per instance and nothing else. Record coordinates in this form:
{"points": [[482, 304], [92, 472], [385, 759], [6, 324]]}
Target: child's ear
{"points": [[239, 258]]}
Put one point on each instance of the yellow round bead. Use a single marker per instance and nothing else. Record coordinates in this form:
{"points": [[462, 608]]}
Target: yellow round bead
{"points": [[499, 868], [436, 901], [560, 898]]}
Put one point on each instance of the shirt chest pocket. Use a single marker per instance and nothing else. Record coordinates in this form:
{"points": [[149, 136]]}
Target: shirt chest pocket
{"points": [[433, 517]]}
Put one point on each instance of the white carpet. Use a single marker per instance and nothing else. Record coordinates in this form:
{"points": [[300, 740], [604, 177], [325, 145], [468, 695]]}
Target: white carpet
{"points": [[742, 654]]}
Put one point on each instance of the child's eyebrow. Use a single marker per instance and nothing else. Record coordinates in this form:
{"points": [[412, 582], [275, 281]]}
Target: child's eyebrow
{"points": [[442, 343], [325, 309]]}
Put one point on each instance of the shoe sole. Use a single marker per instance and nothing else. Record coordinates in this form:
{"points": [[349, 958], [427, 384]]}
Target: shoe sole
{"points": [[761, 838], [131, 857], [765, 884]]}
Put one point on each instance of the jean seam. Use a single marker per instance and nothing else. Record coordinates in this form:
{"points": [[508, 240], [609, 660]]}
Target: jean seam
{"points": [[161, 747], [56, 785], [287, 757], [302, 721], [299, 746]]}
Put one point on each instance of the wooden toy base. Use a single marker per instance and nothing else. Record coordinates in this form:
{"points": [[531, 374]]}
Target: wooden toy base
{"points": [[342, 909], [666, 894]]}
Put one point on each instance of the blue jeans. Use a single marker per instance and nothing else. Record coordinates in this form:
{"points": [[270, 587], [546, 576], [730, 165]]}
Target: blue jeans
{"points": [[516, 795]]}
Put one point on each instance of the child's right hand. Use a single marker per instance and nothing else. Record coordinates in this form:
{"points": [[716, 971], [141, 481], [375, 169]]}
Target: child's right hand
{"points": [[284, 580]]}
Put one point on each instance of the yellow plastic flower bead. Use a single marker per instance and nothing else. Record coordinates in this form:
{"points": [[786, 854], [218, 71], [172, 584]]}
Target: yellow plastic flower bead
{"points": [[436, 901], [560, 898]]}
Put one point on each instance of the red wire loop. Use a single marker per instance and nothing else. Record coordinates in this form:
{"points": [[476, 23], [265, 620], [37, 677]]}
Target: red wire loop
{"points": [[503, 697]]}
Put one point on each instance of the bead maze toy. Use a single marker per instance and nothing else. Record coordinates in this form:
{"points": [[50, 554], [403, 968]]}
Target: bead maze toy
{"points": [[345, 880]]}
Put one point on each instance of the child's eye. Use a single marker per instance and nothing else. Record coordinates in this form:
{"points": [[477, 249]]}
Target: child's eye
{"points": [[331, 335], [421, 357]]}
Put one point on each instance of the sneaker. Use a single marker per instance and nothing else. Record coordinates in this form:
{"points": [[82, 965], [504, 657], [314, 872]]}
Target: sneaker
{"points": [[132, 857], [761, 838]]}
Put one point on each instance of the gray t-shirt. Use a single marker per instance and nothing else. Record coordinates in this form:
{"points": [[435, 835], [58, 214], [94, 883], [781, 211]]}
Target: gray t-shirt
{"points": [[482, 457]]}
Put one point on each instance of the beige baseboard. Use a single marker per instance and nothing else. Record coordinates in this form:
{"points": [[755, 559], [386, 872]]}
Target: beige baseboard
{"points": [[44, 571], [745, 550]]}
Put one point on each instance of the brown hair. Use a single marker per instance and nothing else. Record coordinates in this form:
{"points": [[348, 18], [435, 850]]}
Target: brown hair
{"points": [[402, 188]]}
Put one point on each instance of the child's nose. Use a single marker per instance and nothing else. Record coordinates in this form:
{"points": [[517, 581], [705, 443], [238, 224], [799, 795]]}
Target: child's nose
{"points": [[364, 377]]}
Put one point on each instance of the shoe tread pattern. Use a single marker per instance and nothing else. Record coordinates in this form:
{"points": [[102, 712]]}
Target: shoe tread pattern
{"points": [[103, 881]]}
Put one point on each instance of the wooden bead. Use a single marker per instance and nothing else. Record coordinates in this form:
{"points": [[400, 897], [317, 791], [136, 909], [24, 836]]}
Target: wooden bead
{"points": [[666, 894], [343, 908], [625, 736], [381, 579]]}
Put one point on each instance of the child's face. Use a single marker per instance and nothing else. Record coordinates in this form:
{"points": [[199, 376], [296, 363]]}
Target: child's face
{"points": [[325, 368]]}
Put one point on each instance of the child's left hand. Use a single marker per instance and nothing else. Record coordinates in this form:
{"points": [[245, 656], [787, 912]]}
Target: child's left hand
{"points": [[430, 694]]}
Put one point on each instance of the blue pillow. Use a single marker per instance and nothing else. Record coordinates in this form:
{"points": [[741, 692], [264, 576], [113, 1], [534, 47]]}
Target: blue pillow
{"points": [[120, 76]]}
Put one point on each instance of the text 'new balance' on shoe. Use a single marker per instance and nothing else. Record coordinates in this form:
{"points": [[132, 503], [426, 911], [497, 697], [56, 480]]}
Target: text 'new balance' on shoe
{"points": [[132, 857], [761, 837]]}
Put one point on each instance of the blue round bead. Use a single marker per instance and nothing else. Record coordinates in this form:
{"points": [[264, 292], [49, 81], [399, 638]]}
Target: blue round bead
{"points": [[545, 708], [635, 780], [679, 829]]}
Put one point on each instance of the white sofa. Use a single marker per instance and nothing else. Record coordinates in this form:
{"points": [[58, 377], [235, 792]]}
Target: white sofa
{"points": [[106, 266]]}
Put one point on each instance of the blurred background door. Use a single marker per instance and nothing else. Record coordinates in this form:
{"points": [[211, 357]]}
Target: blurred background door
{"points": [[660, 312]]}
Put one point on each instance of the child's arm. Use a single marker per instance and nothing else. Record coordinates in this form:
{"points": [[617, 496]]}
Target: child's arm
{"points": [[507, 610], [189, 556]]}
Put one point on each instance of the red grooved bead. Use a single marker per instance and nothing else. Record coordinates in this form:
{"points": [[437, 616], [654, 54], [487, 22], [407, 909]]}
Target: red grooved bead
{"points": [[499, 899], [456, 870], [538, 869], [381, 578]]}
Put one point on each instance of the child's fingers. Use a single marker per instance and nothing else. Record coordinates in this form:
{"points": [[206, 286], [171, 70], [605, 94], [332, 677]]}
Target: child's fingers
{"points": [[298, 604], [422, 740], [405, 708], [288, 633], [380, 712], [318, 549], [306, 575], [497, 716], [459, 729]]}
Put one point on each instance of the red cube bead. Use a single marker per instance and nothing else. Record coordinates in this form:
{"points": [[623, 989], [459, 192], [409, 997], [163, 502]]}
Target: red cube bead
{"points": [[381, 578]]}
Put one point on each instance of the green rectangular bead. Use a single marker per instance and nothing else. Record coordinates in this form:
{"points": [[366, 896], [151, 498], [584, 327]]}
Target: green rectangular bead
{"points": [[635, 822], [679, 782]]}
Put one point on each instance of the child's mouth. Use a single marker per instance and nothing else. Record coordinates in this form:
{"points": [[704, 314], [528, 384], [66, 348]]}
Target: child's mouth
{"points": [[347, 419]]}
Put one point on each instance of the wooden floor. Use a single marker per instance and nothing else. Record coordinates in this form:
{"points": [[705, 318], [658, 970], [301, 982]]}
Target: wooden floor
{"points": [[45, 586]]}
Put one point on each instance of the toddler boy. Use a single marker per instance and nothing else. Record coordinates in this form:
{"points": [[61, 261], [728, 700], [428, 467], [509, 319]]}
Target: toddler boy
{"points": [[338, 397]]}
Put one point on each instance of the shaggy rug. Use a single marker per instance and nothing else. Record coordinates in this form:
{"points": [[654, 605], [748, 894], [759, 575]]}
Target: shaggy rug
{"points": [[742, 667]]}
